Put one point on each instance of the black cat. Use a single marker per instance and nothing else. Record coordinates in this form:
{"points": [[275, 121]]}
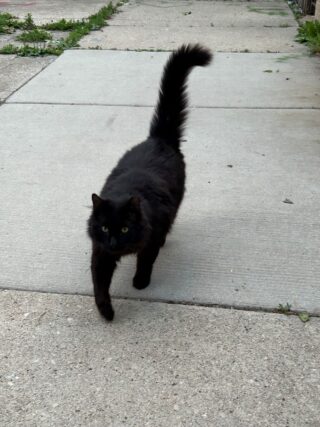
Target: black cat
{"points": [[141, 197]]}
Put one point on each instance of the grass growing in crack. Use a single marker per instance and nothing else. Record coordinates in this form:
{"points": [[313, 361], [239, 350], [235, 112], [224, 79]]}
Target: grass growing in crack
{"points": [[8, 23], [62, 25], [309, 33], [28, 50], [267, 11], [304, 317], [28, 23], [34, 36], [284, 309], [78, 30]]}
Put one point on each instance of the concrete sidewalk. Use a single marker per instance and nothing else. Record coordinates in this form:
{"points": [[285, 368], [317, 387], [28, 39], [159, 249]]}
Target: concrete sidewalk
{"points": [[156, 365], [251, 145]]}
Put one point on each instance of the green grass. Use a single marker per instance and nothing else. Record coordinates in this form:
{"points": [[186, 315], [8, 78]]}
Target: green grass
{"points": [[77, 29], [309, 33], [34, 36]]}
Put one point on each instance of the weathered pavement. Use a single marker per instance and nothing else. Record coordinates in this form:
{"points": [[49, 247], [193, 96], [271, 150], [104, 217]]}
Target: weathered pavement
{"points": [[252, 142]]}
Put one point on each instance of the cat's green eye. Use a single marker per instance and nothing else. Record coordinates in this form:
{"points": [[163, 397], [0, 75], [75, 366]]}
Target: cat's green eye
{"points": [[105, 229], [124, 230]]}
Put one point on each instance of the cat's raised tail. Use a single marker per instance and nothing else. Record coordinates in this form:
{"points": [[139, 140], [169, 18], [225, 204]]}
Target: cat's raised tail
{"points": [[170, 113]]}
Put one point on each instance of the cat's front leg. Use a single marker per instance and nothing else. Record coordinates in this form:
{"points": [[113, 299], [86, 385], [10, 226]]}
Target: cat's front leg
{"points": [[102, 268], [145, 261]]}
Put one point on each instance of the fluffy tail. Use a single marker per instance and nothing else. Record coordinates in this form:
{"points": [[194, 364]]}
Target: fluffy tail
{"points": [[170, 113]]}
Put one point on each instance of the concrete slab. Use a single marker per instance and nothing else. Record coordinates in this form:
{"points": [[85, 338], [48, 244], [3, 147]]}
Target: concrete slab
{"points": [[44, 11], [236, 40], [131, 78], [202, 13], [223, 25], [17, 71], [156, 364], [235, 241]]}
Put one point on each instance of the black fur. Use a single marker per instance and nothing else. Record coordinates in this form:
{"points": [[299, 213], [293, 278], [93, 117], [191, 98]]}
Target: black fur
{"points": [[141, 197]]}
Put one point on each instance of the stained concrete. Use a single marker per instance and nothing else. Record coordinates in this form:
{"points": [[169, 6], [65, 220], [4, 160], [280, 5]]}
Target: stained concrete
{"points": [[258, 26], [156, 364], [132, 78], [235, 242]]}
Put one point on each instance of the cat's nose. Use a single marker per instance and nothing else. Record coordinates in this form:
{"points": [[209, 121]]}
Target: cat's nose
{"points": [[113, 243]]}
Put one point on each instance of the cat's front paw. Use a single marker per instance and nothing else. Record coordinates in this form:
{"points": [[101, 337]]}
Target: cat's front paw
{"points": [[106, 311], [141, 282]]}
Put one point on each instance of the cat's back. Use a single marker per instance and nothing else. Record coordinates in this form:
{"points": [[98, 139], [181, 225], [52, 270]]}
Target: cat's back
{"points": [[155, 156]]}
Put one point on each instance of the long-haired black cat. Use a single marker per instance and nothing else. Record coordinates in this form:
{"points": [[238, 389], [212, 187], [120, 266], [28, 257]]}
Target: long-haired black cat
{"points": [[141, 197]]}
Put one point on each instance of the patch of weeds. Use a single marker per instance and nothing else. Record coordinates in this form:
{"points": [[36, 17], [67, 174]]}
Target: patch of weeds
{"points": [[268, 11], [28, 23], [34, 36], [62, 25], [82, 28], [8, 23], [78, 30], [28, 50], [304, 317], [309, 33], [284, 309]]}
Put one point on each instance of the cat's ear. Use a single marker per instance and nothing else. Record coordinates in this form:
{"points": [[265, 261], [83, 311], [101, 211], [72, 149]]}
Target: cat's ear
{"points": [[96, 200]]}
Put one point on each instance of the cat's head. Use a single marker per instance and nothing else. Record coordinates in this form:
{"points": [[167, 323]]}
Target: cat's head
{"points": [[118, 225]]}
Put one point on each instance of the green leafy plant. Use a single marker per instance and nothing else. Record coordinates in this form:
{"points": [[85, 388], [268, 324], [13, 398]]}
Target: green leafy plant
{"points": [[62, 25], [77, 29], [28, 23], [34, 36], [284, 309], [8, 23], [27, 50], [304, 317], [309, 33]]}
